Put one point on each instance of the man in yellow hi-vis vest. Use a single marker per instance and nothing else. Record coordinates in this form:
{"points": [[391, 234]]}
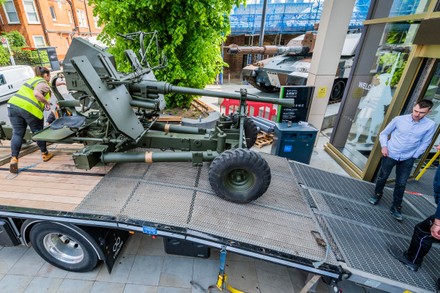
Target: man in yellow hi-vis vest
{"points": [[26, 108]]}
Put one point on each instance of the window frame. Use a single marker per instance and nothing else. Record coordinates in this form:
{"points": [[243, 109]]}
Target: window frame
{"points": [[82, 19], [35, 11], [7, 14], [52, 13], [35, 42]]}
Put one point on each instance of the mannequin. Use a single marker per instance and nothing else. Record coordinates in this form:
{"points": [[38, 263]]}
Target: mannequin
{"points": [[372, 106]]}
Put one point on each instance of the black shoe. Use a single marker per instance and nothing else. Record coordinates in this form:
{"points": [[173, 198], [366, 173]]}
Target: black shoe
{"points": [[401, 256], [374, 199], [395, 211]]}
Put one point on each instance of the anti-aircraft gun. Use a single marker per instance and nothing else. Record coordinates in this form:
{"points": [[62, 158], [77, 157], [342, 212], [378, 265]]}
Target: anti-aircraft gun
{"points": [[115, 114]]}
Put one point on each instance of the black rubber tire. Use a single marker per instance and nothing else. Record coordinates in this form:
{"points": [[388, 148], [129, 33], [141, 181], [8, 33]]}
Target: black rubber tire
{"points": [[250, 130], [239, 175], [264, 88], [63, 247], [337, 90], [268, 88]]}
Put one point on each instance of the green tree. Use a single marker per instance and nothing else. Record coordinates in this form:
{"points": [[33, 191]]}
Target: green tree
{"points": [[16, 42], [190, 34], [15, 39]]}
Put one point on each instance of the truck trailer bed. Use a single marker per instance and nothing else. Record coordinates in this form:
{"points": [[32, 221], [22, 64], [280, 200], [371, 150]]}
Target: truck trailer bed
{"points": [[309, 219]]}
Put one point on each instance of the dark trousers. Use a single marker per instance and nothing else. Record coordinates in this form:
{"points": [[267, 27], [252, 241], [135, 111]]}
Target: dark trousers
{"points": [[436, 185], [421, 241], [403, 170], [20, 119]]}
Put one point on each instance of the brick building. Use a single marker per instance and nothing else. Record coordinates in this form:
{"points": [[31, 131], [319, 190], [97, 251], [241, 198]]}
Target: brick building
{"points": [[49, 22]]}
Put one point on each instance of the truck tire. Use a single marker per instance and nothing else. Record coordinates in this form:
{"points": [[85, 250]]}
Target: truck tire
{"points": [[64, 246], [239, 175], [337, 91]]}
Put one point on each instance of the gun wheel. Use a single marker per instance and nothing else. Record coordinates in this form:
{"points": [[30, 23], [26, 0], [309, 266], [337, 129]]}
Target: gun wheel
{"points": [[250, 130], [239, 175]]}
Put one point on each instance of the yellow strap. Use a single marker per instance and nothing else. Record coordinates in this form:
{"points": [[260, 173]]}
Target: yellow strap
{"points": [[223, 284], [427, 165]]}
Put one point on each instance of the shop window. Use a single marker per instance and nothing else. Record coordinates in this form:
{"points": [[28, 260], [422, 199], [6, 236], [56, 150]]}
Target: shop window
{"points": [[380, 66]]}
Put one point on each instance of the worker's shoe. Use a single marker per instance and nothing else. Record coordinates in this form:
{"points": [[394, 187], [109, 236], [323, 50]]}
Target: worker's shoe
{"points": [[403, 258], [395, 211], [13, 166], [374, 199], [46, 156]]}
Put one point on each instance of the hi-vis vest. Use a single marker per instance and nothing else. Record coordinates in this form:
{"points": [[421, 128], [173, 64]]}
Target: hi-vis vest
{"points": [[26, 100]]}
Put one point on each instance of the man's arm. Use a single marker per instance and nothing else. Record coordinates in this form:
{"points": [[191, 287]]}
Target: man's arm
{"points": [[426, 141], [383, 136], [435, 228]]}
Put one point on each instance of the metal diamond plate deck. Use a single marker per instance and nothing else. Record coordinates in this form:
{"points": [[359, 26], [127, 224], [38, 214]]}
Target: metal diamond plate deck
{"points": [[365, 248], [179, 194], [299, 200], [257, 225], [349, 188], [363, 232]]}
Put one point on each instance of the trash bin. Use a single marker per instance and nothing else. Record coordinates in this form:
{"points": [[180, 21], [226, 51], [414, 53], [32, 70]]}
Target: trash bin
{"points": [[294, 141]]}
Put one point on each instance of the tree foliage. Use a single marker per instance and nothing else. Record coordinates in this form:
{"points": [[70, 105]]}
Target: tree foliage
{"points": [[190, 34], [15, 39], [24, 57]]}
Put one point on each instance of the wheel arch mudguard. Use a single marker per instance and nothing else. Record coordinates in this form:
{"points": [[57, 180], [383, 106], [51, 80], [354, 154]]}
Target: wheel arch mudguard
{"points": [[28, 224]]}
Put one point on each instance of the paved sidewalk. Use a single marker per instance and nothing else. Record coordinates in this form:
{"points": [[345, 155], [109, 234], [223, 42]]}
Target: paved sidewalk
{"points": [[143, 266]]}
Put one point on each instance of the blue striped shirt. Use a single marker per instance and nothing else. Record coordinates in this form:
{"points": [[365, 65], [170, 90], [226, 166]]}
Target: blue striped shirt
{"points": [[406, 138]]}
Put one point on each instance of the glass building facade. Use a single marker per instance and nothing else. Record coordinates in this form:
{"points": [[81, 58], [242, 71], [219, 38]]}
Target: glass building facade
{"points": [[397, 65]]}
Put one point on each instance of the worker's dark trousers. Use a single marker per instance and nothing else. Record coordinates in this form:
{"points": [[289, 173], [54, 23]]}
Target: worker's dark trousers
{"points": [[421, 241]]}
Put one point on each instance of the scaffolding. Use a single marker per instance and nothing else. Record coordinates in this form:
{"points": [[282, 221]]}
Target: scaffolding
{"points": [[297, 17]]}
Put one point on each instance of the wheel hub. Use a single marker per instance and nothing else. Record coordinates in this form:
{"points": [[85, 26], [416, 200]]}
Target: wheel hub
{"points": [[63, 248], [240, 179]]}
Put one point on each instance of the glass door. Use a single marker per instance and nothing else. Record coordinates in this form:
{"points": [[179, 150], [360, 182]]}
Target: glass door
{"points": [[428, 87]]}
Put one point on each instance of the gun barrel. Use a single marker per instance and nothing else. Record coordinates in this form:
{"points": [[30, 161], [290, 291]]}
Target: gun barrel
{"points": [[160, 87], [271, 50]]}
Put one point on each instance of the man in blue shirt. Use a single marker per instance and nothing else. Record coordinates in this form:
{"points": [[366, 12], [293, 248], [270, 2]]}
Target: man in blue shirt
{"points": [[404, 139], [425, 233], [436, 183]]}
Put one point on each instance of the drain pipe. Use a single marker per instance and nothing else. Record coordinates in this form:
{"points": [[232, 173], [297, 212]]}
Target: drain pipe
{"points": [[87, 16], [75, 21], [43, 25]]}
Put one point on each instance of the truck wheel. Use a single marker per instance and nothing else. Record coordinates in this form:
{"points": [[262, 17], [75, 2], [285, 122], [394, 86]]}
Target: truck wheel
{"points": [[64, 247], [337, 90], [239, 175]]}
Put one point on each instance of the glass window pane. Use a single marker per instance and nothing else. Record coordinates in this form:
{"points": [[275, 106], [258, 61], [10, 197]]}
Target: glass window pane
{"points": [[2, 79], [433, 93], [407, 7], [379, 70], [39, 41], [30, 11], [11, 12]]}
